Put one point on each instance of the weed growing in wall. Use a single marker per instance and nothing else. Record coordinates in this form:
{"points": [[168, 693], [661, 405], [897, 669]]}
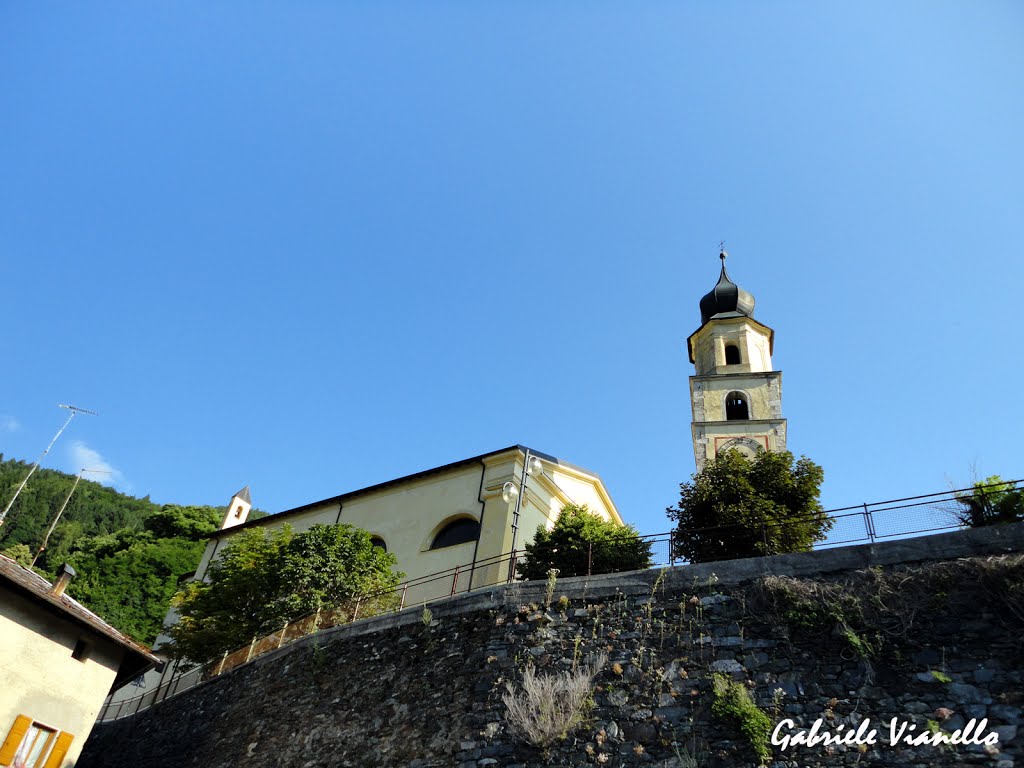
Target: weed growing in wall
{"points": [[552, 581], [734, 704]]}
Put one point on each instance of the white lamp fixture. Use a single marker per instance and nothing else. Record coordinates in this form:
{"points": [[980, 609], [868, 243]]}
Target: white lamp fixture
{"points": [[509, 492]]}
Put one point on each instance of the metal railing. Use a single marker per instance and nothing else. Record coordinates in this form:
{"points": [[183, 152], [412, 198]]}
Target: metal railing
{"points": [[863, 523]]}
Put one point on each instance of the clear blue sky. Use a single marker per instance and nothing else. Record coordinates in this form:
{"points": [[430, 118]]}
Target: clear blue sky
{"points": [[314, 246]]}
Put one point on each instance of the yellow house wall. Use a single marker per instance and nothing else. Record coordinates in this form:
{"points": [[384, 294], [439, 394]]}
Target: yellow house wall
{"points": [[40, 679]]}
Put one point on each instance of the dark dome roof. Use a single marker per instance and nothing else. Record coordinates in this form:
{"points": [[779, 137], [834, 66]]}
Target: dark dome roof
{"points": [[726, 299]]}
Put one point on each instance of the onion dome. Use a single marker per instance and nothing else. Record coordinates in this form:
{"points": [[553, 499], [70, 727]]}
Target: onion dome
{"points": [[726, 299]]}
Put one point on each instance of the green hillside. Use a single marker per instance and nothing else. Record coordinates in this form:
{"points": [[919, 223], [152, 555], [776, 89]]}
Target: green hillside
{"points": [[129, 553]]}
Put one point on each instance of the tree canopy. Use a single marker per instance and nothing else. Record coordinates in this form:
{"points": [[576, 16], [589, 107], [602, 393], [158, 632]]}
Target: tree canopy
{"points": [[130, 553], [265, 578], [580, 537], [738, 507], [991, 501]]}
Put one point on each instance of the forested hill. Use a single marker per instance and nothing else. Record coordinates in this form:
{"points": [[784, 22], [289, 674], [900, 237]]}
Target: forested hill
{"points": [[129, 553]]}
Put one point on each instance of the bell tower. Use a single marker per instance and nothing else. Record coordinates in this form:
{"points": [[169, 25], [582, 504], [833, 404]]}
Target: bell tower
{"points": [[735, 394], [238, 509]]}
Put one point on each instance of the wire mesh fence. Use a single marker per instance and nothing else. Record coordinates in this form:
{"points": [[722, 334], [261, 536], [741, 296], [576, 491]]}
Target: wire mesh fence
{"points": [[862, 524]]}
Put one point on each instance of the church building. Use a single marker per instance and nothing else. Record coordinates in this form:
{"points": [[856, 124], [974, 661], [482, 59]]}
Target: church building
{"points": [[736, 396], [451, 528]]}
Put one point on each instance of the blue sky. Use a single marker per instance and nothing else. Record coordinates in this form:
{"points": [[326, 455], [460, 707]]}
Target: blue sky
{"points": [[314, 246]]}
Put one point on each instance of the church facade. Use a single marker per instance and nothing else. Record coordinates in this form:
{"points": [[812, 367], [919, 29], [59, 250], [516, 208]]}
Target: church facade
{"points": [[735, 394]]}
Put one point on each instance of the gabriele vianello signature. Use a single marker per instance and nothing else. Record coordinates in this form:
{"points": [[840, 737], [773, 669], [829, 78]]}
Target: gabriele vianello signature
{"points": [[894, 733]]}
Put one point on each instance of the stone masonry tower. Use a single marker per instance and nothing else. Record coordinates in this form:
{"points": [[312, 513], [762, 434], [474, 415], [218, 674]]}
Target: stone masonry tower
{"points": [[736, 396]]}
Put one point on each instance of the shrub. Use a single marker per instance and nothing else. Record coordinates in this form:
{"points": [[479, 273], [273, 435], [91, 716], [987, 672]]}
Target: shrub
{"points": [[581, 543]]}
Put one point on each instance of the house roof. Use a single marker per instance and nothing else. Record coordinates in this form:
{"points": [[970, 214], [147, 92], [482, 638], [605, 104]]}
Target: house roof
{"points": [[342, 498], [137, 659]]}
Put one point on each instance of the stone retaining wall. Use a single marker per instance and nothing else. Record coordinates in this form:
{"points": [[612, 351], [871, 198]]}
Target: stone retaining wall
{"points": [[927, 631]]}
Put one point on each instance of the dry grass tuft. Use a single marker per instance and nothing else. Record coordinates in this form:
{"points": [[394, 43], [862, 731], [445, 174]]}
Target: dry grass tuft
{"points": [[547, 707]]}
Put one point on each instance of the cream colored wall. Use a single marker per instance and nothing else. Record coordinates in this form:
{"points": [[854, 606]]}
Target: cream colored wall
{"points": [[38, 677], [752, 339]]}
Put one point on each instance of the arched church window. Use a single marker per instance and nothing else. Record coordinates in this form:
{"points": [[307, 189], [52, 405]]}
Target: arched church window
{"points": [[732, 354], [238, 511], [456, 532], [736, 407], [378, 542]]}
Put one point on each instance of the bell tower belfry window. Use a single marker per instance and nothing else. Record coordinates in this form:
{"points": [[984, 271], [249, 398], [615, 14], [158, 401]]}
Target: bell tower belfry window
{"points": [[735, 394]]}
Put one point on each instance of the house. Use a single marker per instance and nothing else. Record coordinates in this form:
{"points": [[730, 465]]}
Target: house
{"points": [[59, 661]]}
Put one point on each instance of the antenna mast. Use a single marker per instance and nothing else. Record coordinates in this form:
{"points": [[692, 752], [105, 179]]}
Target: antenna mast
{"points": [[75, 410]]}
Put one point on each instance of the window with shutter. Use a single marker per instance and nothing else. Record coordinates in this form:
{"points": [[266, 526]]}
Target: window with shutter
{"points": [[13, 740], [60, 749]]}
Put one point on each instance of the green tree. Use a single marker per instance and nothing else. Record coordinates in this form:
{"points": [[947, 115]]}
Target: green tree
{"points": [[264, 579], [20, 553], [738, 507], [990, 502], [581, 537]]}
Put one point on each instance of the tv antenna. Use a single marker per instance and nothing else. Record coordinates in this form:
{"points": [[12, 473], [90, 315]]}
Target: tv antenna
{"points": [[46, 538], [75, 410]]}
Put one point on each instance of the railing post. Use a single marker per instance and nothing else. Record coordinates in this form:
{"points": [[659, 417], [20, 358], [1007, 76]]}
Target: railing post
{"points": [[280, 640], [672, 549], [455, 581], [167, 688], [220, 667], [869, 524], [252, 645], [405, 591], [355, 611], [511, 567], [119, 705], [590, 557]]}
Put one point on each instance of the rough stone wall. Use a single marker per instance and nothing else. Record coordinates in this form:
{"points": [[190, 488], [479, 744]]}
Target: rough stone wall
{"points": [[842, 647]]}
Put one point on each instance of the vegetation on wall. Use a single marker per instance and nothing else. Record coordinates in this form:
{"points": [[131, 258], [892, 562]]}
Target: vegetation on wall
{"points": [[873, 610], [129, 553], [734, 703], [583, 542], [990, 502], [267, 578], [738, 507]]}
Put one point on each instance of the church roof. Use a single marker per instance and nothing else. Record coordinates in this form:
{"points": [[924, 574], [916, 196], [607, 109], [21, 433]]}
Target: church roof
{"points": [[341, 498], [244, 495], [726, 299]]}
